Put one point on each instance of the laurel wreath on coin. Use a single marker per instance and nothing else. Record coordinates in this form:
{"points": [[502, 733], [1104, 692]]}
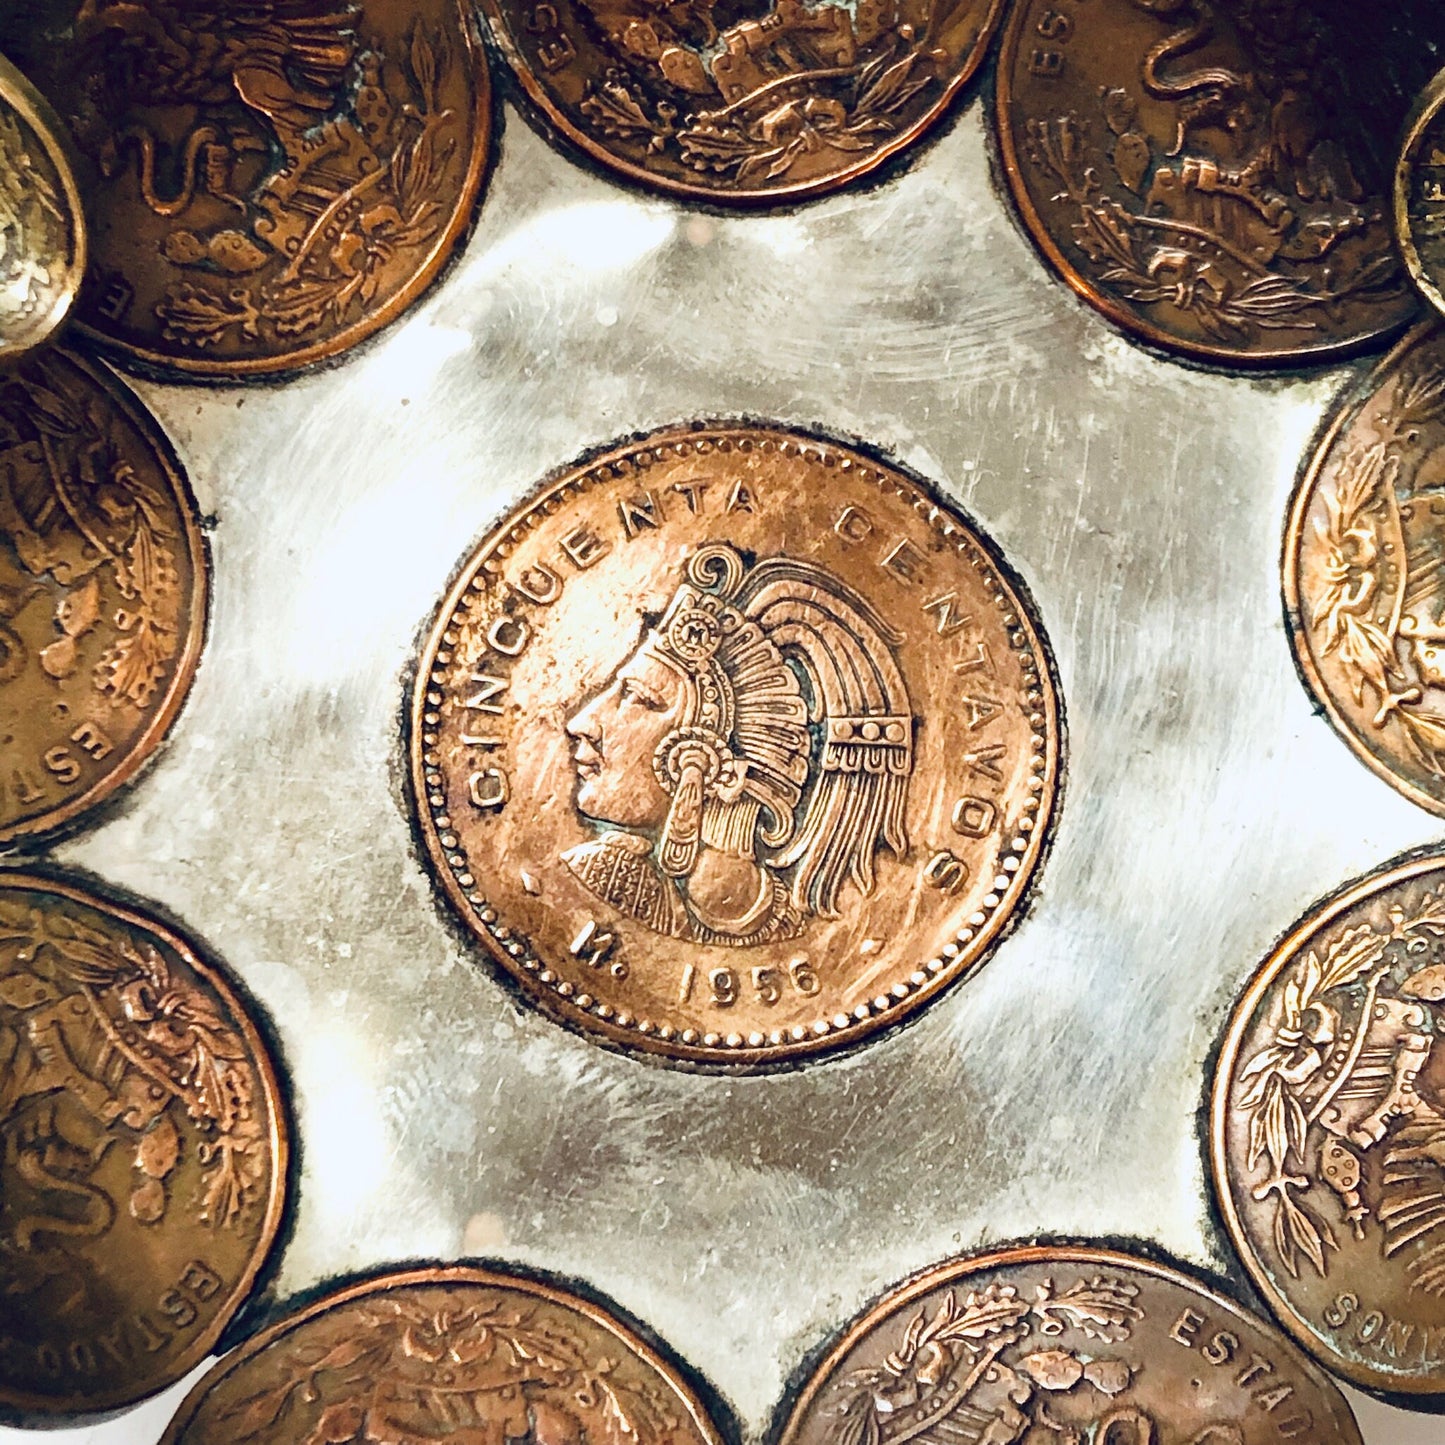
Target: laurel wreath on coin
{"points": [[1346, 602], [1156, 258], [152, 1030], [1290, 1085], [763, 139], [338, 265], [945, 1358], [76, 456], [487, 1370]]}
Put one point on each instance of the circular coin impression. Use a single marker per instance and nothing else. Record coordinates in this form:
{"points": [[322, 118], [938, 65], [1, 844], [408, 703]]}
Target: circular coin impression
{"points": [[103, 589], [1363, 587], [1328, 1130], [447, 1353], [267, 185], [42, 233], [1214, 177], [1063, 1344], [769, 101], [143, 1166], [735, 746], [1420, 194]]}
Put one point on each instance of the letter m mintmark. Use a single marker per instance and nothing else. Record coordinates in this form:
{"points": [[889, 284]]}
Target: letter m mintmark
{"points": [[597, 948]]}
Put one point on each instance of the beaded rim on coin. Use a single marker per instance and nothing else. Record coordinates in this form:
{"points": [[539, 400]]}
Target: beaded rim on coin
{"points": [[980, 934]]}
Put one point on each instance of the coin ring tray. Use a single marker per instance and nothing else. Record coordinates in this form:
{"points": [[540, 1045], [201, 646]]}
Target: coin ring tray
{"points": [[1059, 1090]]}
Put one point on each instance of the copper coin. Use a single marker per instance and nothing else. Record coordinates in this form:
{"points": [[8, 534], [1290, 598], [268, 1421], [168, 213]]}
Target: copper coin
{"points": [[1328, 1130], [766, 101], [143, 1168], [1363, 585], [456, 1354], [42, 224], [735, 746], [102, 589], [1057, 1346], [267, 184], [1213, 175], [1420, 193]]}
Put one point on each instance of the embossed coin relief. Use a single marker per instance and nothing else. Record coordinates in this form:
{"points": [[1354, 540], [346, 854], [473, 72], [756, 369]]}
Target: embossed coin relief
{"points": [[1363, 559], [1064, 1345], [42, 226], [142, 1153], [1329, 1130], [748, 102], [1420, 194], [268, 183], [735, 746], [444, 1355], [102, 589], [1214, 175]]}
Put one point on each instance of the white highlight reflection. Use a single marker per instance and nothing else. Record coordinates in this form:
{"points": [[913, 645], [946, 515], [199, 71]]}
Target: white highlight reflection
{"points": [[587, 236], [412, 357], [346, 1152]]}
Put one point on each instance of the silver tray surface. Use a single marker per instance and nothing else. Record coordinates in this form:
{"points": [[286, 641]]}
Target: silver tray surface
{"points": [[1057, 1091]]}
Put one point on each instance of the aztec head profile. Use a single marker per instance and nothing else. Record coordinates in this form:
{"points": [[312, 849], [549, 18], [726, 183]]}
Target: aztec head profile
{"points": [[755, 747]]}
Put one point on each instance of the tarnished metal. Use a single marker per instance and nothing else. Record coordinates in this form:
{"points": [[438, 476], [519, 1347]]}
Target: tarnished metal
{"points": [[1363, 553], [103, 589], [1327, 1130], [268, 184], [145, 1152], [1065, 1344], [448, 1353], [42, 222], [1419, 193], [746, 1219], [743, 105], [1216, 178]]}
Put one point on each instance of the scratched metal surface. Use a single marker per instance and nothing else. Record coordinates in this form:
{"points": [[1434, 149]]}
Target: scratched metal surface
{"points": [[746, 1219]]}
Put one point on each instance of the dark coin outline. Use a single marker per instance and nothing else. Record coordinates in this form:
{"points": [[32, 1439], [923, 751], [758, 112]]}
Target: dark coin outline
{"points": [[1129, 323], [446, 249], [479, 1275], [822, 1367], [554, 121], [1316, 918], [1344, 411], [580, 1018], [280, 1140], [188, 656], [1427, 110]]}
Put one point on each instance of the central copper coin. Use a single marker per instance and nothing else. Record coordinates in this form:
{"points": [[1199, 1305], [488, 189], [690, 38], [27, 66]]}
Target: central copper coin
{"points": [[734, 745], [451, 1354], [1058, 1346]]}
